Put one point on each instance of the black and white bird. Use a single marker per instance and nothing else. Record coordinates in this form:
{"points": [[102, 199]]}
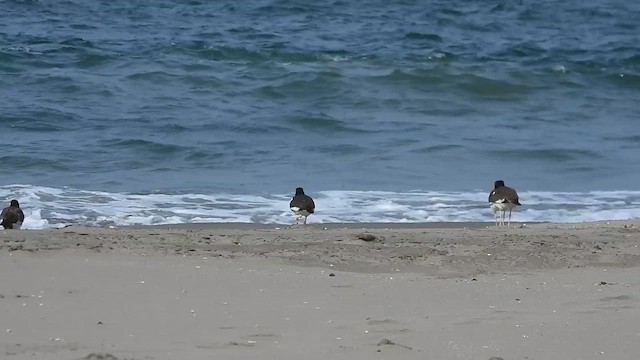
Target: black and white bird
{"points": [[12, 216], [501, 199], [302, 205]]}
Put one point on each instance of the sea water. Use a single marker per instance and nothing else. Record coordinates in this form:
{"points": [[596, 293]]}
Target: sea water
{"points": [[158, 112]]}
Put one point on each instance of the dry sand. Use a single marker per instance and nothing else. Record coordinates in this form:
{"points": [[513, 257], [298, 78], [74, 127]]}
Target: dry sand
{"points": [[365, 291]]}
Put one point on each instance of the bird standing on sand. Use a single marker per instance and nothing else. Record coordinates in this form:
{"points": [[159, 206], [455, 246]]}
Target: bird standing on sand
{"points": [[501, 199], [302, 205], [12, 216]]}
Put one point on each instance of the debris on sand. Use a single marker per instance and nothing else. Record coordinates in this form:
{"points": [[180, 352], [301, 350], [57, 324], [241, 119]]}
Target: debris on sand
{"points": [[99, 356], [367, 237]]}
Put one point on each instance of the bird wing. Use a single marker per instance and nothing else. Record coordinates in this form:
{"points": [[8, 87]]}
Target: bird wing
{"points": [[504, 194], [310, 205]]}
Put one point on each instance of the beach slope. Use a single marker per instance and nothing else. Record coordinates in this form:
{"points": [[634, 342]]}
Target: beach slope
{"points": [[340, 291]]}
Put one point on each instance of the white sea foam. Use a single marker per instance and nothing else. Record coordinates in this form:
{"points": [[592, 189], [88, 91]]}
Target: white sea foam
{"points": [[47, 207]]}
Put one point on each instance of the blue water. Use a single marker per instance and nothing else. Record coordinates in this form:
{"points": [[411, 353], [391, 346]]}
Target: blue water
{"points": [[185, 111]]}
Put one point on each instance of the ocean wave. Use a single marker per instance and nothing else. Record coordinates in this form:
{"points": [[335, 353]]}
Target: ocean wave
{"points": [[418, 78], [155, 76], [270, 53], [92, 60], [139, 145], [36, 163], [485, 87], [423, 36], [43, 120], [57, 207], [557, 155], [438, 148], [322, 123]]}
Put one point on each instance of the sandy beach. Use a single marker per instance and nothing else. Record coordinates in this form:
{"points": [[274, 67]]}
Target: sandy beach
{"points": [[338, 291]]}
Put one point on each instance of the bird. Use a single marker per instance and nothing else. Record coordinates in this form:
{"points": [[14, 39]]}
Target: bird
{"points": [[501, 199], [12, 216], [302, 205]]}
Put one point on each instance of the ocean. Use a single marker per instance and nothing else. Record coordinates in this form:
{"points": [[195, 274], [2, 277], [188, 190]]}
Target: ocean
{"points": [[156, 112]]}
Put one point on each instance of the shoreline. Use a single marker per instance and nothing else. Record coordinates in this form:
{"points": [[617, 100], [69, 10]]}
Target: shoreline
{"points": [[437, 249]]}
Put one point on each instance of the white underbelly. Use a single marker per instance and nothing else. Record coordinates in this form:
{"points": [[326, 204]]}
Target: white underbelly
{"points": [[298, 211], [502, 206]]}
